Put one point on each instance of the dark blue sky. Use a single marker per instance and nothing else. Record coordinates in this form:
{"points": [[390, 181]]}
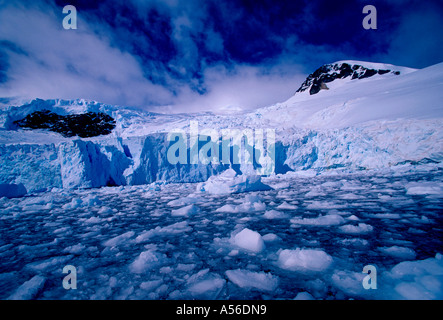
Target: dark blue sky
{"points": [[229, 53]]}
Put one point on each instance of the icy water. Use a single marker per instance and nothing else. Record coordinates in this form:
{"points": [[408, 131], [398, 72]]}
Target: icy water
{"points": [[171, 242]]}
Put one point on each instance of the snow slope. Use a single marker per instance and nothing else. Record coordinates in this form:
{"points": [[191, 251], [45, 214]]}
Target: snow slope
{"points": [[413, 95]]}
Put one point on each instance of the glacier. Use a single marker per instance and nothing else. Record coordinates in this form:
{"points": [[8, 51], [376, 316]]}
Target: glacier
{"points": [[115, 161], [365, 124]]}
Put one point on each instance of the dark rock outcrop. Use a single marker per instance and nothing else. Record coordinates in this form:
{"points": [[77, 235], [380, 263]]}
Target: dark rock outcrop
{"points": [[330, 72], [84, 125]]}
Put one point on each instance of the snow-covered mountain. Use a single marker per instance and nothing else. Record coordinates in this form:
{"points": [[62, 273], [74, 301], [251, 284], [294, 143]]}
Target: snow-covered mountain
{"points": [[317, 80], [372, 116]]}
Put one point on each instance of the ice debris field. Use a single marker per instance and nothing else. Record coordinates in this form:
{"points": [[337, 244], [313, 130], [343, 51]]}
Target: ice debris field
{"points": [[307, 237]]}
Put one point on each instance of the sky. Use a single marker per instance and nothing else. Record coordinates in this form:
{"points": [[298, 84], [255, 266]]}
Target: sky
{"points": [[175, 56]]}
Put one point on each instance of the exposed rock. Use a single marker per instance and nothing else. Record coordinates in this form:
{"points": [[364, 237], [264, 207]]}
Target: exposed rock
{"points": [[323, 86], [317, 80], [83, 125]]}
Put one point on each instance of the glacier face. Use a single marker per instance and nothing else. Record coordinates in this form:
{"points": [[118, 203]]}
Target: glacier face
{"points": [[143, 160], [88, 164]]}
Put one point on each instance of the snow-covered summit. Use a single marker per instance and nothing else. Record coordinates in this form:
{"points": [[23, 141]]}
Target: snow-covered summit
{"points": [[388, 97], [317, 80]]}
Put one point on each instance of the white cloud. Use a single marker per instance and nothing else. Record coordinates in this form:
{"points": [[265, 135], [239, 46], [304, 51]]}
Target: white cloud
{"points": [[68, 64], [243, 88], [80, 63]]}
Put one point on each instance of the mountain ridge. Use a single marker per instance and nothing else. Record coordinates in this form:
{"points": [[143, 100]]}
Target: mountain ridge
{"points": [[343, 69]]}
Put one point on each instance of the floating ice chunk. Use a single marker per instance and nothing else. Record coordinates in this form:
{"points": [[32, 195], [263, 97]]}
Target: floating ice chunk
{"points": [[419, 280], [41, 199], [250, 204], [207, 289], [75, 249], [354, 242], [229, 182], [190, 199], [93, 220], [105, 211], [274, 214], [165, 270], [325, 205], [251, 207], [118, 240], [12, 190], [351, 186], [270, 237], [74, 204], [185, 267], [176, 228], [399, 252], [314, 193], [92, 200], [185, 211], [252, 198], [205, 285], [304, 260], [48, 263], [147, 260], [360, 229], [249, 240], [229, 208], [430, 266], [29, 290], [37, 207], [332, 184], [349, 282], [424, 188], [416, 291], [304, 296], [350, 196], [63, 231], [253, 280], [326, 220], [286, 206], [149, 286]]}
